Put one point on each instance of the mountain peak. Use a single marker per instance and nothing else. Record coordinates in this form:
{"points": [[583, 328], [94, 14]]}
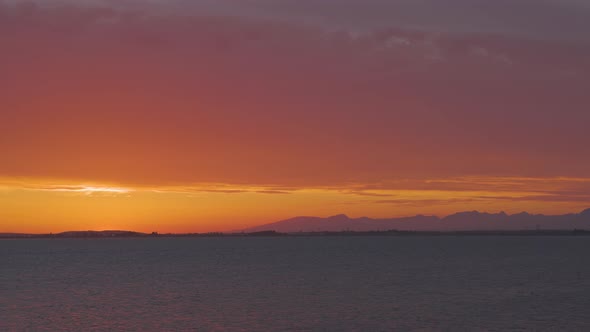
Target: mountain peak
{"points": [[585, 213], [339, 217]]}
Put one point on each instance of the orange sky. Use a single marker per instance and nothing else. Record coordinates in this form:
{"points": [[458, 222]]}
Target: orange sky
{"points": [[233, 115], [31, 205]]}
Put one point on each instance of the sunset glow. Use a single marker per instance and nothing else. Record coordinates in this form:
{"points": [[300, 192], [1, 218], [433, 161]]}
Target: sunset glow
{"points": [[217, 116], [54, 207]]}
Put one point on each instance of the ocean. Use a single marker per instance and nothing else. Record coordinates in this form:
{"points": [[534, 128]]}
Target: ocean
{"points": [[388, 283]]}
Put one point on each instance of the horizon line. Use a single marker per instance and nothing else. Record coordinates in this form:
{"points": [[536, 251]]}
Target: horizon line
{"points": [[587, 210]]}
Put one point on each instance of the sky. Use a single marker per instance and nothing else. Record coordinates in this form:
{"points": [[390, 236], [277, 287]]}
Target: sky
{"points": [[217, 115]]}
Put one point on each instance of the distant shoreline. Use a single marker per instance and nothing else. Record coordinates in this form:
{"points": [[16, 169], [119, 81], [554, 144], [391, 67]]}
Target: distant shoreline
{"points": [[130, 234], [467, 223]]}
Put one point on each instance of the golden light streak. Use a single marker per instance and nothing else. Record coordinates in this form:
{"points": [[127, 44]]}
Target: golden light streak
{"points": [[52, 205]]}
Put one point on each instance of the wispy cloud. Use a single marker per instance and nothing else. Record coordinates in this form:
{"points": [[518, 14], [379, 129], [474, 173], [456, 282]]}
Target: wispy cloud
{"points": [[402, 192], [83, 189], [155, 99]]}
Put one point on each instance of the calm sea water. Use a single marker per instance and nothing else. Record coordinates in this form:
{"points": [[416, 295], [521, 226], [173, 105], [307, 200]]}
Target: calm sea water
{"points": [[296, 284]]}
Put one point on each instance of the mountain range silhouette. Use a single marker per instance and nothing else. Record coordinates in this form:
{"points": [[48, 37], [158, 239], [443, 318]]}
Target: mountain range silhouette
{"points": [[458, 222], [461, 221]]}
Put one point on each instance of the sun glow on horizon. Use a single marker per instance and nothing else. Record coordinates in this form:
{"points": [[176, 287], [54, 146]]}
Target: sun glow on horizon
{"points": [[90, 189], [43, 206]]}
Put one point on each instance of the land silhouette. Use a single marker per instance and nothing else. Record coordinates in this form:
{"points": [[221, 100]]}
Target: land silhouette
{"points": [[461, 223]]}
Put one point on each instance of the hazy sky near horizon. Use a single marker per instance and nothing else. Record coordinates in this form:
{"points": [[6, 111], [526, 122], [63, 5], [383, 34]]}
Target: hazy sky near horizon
{"points": [[220, 114]]}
